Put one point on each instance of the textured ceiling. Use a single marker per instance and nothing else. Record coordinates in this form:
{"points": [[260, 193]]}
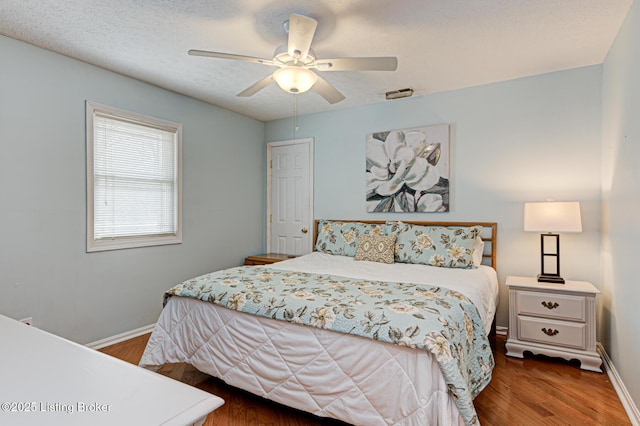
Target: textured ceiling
{"points": [[440, 44]]}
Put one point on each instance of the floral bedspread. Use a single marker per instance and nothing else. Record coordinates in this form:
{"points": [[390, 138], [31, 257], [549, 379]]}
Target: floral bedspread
{"points": [[441, 321]]}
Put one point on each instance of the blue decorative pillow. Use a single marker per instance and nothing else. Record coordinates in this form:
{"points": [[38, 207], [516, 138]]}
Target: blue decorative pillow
{"points": [[448, 247], [341, 238]]}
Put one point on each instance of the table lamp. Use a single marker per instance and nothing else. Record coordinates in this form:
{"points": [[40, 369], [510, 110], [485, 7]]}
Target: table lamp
{"points": [[550, 218]]}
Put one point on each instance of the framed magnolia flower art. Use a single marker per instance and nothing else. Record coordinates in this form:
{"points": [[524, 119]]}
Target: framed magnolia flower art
{"points": [[408, 170]]}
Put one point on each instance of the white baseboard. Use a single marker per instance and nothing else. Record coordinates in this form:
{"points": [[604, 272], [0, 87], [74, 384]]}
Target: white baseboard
{"points": [[501, 330], [628, 404], [103, 343]]}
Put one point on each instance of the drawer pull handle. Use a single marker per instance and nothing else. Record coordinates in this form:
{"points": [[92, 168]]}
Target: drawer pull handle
{"points": [[550, 305], [550, 332]]}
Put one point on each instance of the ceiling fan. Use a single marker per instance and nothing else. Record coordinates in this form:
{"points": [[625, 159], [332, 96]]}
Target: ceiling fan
{"points": [[296, 60]]}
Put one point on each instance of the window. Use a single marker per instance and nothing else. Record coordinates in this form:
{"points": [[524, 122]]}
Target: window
{"points": [[133, 180]]}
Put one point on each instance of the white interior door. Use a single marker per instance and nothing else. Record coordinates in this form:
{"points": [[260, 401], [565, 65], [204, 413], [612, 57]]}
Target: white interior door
{"points": [[290, 196]]}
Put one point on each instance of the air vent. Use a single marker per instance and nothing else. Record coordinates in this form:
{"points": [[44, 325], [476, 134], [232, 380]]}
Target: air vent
{"points": [[397, 94]]}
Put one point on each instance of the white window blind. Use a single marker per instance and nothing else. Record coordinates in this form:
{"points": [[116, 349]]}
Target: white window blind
{"points": [[135, 180]]}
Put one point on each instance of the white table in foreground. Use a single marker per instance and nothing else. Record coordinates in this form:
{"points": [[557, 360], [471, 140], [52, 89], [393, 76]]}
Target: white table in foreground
{"points": [[47, 380]]}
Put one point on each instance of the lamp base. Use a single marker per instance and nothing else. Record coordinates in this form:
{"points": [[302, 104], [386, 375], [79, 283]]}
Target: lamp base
{"points": [[546, 278]]}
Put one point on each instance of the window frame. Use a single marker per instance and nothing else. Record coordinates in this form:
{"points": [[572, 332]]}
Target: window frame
{"points": [[96, 245]]}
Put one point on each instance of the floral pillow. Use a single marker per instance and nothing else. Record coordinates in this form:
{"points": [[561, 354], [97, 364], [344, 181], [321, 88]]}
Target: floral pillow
{"points": [[376, 248], [341, 238], [448, 247]]}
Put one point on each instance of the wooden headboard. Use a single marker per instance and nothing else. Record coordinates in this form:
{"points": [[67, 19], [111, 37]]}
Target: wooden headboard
{"points": [[488, 234]]}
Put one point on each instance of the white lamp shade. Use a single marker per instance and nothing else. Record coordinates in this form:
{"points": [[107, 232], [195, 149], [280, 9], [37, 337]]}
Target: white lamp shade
{"points": [[552, 217], [295, 79]]}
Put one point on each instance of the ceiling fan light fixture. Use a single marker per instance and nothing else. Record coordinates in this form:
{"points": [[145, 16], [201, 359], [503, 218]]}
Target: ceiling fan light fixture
{"points": [[295, 79]]}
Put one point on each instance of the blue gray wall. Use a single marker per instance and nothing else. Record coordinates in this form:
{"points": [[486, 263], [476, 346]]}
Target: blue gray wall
{"points": [[44, 269], [523, 140], [621, 203]]}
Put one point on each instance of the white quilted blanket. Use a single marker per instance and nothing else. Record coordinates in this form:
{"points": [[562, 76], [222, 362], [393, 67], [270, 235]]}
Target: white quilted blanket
{"points": [[350, 378]]}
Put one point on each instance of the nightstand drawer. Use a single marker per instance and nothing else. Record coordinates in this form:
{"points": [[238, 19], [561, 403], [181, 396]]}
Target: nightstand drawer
{"points": [[559, 333], [551, 305]]}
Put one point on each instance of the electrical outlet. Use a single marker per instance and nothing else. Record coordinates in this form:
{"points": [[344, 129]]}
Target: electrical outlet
{"points": [[28, 321]]}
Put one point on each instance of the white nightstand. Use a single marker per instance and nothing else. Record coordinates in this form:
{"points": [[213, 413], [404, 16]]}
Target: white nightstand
{"points": [[557, 320]]}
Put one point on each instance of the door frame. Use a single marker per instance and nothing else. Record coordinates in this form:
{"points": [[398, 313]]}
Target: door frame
{"points": [[309, 142]]}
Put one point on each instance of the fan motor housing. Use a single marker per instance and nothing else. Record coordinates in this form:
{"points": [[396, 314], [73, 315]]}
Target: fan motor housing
{"points": [[281, 57]]}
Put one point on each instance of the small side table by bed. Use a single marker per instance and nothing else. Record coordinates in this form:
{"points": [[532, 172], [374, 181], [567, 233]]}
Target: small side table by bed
{"points": [[47, 380], [557, 320], [266, 259]]}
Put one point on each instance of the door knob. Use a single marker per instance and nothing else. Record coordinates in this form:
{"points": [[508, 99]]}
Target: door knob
{"points": [[304, 230]]}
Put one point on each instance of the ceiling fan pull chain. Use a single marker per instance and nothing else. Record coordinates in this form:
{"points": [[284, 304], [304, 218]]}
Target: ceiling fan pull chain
{"points": [[295, 115]]}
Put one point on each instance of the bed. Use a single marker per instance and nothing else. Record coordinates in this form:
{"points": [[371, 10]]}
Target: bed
{"points": [[406, 344]]}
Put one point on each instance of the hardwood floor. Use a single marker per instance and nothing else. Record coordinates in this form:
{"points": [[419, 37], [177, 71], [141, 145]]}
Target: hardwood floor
{"points": [[531, 391], [539, 390]]}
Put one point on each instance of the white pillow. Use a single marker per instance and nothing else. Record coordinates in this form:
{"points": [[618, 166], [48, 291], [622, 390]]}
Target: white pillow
{"points": [[478, 250]]}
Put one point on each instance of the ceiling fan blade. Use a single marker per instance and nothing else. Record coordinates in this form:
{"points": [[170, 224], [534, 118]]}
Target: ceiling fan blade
{"points": [[194, 52], [389, 63], [327, 91], [301, 32], [256, 87]]}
